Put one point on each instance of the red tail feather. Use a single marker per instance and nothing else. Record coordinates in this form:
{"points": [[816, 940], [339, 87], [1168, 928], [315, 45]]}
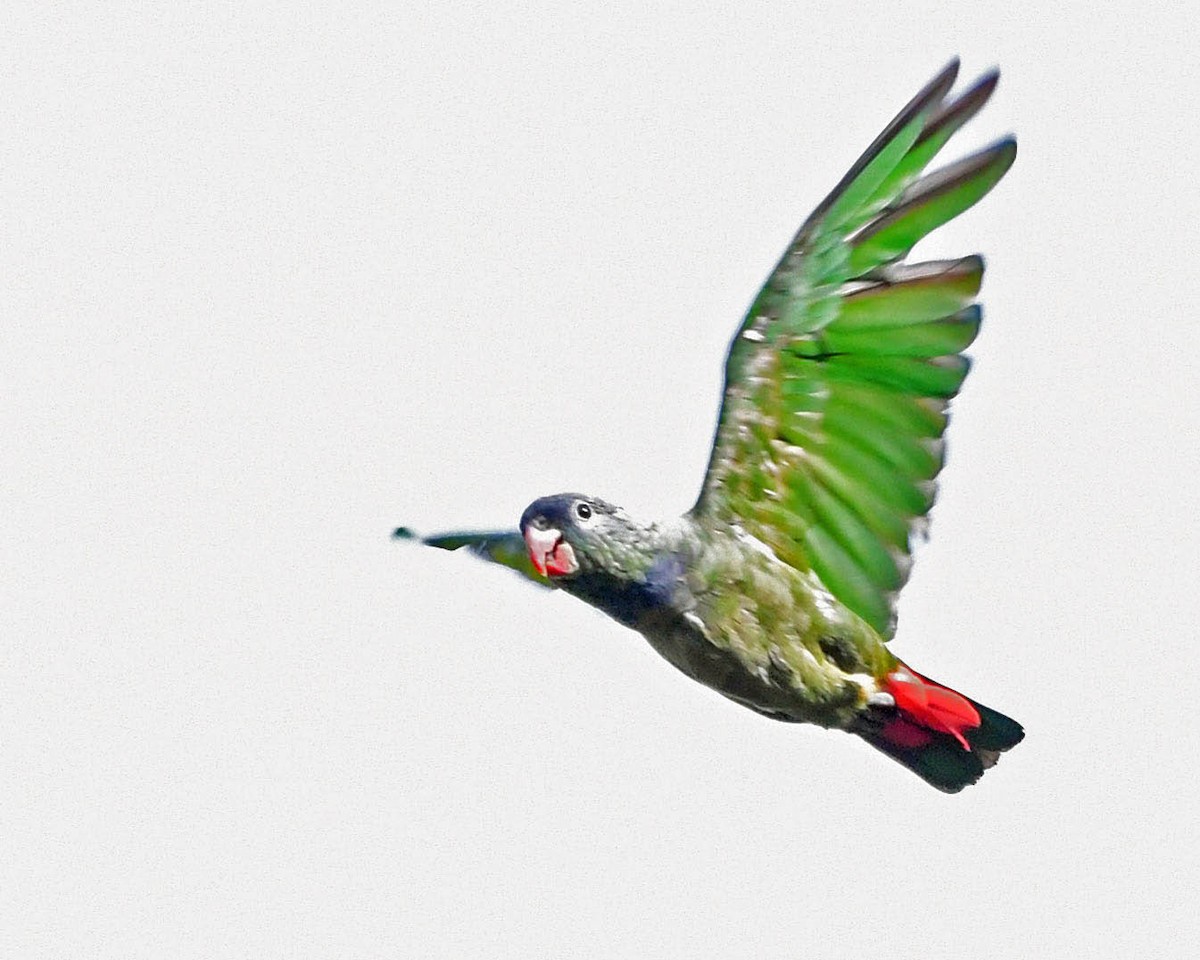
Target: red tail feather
{"points": [[924, 705], [940, 735]]}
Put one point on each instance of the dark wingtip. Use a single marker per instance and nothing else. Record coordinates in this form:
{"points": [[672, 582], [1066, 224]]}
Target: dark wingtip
{"points": [[928, 97], [932, 93], [949, 71], [954, 113], [403, 533], [985, 86], [938, 88], [1005, 150]]}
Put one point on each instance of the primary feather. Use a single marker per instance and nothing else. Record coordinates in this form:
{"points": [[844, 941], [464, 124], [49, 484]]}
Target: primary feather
{"points": [[837, 381]]}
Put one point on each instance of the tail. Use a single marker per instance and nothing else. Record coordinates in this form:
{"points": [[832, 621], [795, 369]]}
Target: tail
{"points": [[944, 738]]}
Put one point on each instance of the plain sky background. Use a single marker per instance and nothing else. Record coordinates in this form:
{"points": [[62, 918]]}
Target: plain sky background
{"points": [[275, 279]]}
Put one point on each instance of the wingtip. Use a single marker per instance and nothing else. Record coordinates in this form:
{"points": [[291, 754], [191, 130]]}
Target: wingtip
{"points": [[1006, 148], [940, 85], [989, 78], [999, 153], [955, 112], [404, 533], [972, 100]]}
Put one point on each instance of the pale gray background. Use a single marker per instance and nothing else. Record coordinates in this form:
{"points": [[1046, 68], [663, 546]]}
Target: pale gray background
{"points": [[276, 280]]}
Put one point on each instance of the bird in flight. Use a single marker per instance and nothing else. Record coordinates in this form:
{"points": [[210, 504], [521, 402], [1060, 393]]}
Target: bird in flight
{"points": [[777, 588]]}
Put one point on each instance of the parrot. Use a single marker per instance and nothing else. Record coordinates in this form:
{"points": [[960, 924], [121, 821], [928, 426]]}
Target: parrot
{"points": [[777, 589]]}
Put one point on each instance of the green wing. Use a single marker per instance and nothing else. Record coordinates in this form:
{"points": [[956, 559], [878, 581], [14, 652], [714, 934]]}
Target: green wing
{"points": [[505, 547], [837, 382]]}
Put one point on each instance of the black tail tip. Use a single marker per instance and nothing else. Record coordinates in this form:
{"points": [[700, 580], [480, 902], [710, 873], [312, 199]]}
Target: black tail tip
{"points": [[942, 762], [995, 732]]}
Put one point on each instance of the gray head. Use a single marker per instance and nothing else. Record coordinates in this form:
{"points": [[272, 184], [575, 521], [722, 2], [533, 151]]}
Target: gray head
{"points": [[572, 534]]}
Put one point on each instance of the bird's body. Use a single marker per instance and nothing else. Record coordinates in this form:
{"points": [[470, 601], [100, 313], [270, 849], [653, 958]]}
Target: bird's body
{"points": [[722, 608], [777, 588]]}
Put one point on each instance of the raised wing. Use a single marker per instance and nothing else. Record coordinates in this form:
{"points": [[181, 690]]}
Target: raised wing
{"points": [[837, 382], [505, 547]]}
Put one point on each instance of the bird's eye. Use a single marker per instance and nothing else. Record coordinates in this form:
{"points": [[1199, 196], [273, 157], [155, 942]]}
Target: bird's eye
{"points": [[583, 511]]}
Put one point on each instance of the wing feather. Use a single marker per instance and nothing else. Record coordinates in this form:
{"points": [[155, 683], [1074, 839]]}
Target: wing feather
{"points": [[837, 382], [505, 547]]}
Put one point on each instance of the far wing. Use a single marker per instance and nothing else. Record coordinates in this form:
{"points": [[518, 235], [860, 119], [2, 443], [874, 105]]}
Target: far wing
{"points": [[838, 380], [505, 547]]}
